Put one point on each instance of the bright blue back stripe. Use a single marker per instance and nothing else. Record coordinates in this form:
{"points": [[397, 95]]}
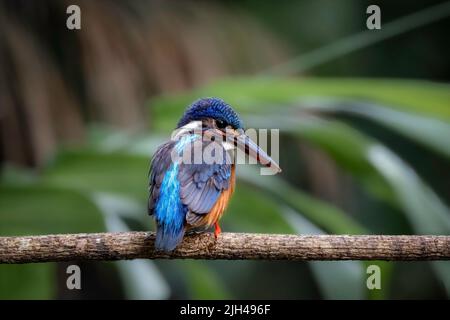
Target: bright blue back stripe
{"points": [[170, 212]]}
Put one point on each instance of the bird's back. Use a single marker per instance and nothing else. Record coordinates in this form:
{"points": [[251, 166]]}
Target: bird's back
{"points": [[184, 195]]}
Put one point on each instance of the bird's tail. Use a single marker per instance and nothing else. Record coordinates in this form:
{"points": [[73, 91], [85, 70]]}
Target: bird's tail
{"points": [[167, 239]]}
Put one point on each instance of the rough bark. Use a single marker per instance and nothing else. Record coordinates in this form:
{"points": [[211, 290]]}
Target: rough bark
{"points": [[231, 246]]}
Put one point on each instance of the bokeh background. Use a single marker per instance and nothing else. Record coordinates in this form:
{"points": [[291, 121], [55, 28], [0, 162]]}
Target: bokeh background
{"points": [[364, 119]]}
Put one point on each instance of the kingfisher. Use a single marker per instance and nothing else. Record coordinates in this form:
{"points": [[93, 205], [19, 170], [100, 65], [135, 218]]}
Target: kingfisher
{"points": [[192, 176]]}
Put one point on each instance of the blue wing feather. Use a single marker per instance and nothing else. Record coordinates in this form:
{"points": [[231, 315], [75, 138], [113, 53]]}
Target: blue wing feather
{"points": [[202, 184], [159, 166], [164, 200]]}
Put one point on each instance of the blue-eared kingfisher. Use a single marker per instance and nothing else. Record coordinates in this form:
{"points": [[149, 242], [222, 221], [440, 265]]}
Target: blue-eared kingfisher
{"points": [[187, 193]]}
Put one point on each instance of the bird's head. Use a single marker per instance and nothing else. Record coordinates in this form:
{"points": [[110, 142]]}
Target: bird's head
{"points": [[213, 112], [221, 121]]}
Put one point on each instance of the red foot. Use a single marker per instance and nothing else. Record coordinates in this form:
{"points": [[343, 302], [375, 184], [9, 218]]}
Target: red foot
{"points": [[217, 230]]}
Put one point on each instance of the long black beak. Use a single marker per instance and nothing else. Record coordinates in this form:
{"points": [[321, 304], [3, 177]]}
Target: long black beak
{"points": [[243, 142], [237, 138]]}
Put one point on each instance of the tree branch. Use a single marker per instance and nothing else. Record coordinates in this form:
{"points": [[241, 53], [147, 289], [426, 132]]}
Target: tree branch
{"points": [[231, 246]]}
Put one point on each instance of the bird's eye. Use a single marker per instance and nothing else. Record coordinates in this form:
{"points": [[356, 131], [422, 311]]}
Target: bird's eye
{"points": [[221, 124]]}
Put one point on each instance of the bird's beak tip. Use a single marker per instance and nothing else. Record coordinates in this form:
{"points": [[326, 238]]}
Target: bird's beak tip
{"points": [[244, 143], [277, 169]]}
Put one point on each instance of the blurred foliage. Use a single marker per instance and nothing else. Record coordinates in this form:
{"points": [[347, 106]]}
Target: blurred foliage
{"points": [[308, 25], [82, 113], [106, 180], [125, 53], [28, 281]]}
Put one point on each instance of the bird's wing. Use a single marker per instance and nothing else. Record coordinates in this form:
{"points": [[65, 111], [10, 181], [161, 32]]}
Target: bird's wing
{"points": [[201, 185], [160, 164]]}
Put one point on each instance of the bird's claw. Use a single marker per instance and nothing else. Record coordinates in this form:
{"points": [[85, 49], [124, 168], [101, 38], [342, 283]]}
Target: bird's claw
{"points": [[217, 230]]}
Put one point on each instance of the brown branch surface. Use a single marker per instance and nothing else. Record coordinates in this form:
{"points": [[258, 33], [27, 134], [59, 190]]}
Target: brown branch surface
{"points": [[230, 246]]}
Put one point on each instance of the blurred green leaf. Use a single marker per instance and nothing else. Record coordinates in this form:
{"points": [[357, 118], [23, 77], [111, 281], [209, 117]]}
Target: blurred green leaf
{"points": [[430, 132], [253, 94], [346, 146], [424, 209], [442, 269], [337, 279], [203, 282], [38, 209], [107, 140], [378, 166], [27, 281], [32, 210], [426, 212], [141, 278], [386, 270], [93, 171], [249, 212], [326, 216]]}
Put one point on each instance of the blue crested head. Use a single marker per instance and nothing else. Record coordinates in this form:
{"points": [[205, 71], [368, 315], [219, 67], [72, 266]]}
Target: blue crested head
{"points": [[213, 108]]}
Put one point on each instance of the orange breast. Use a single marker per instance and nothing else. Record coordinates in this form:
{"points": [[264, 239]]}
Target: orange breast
{"points": [[216, 212]]}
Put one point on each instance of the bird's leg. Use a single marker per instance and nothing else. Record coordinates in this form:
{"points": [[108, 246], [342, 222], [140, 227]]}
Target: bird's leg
{"points": [[217, 230]]}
